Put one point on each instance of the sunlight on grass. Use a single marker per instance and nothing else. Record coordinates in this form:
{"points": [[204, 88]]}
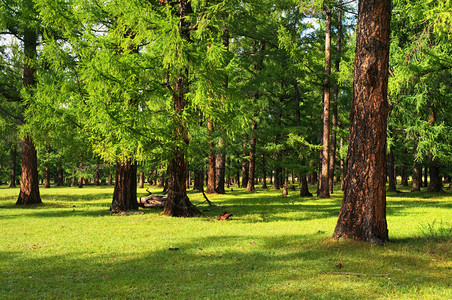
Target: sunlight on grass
{"points": [[273, 247]]}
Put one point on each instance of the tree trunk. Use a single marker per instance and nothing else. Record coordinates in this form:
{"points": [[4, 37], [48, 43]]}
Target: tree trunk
{"points": [[325, 152], [426, 177], [211, 171], [47, 178], [245, 165], [264, 172], [252, 163], [392, 171], [304, 191], [416, 182], [60, 181], [220, 168], [363, 211], [404, 173], [342, 168], [29, 181], [141, 180], [125, 192], [436, 182], [97, 175], [178, 204], [332, 160], [12, 180]]}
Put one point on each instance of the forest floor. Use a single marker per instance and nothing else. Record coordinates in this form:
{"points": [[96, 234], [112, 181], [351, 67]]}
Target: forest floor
{"points": [[271, 248]]}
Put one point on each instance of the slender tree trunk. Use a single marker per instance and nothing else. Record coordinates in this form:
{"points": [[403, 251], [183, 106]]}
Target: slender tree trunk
{"points": [[220, 168], [12, 180], [264, 172], [436, 182], [252, 162], [332, 160], [426, 177], [245, 164], [211, 171], [392, 171], [325, 155], [363, 211], [81, 180], [404, 172], [125, 192], [141, 180]]}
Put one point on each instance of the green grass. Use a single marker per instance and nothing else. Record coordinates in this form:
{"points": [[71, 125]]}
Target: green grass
{"points": [[273, 248]]}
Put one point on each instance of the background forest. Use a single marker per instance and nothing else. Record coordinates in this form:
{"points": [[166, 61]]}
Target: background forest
{"points": [[233, 92]]}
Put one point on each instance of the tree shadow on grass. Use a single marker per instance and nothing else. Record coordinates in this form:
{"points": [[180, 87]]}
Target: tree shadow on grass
{"points": [[227, 267]]}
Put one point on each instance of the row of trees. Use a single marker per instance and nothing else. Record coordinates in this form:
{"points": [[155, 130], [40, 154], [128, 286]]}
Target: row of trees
{"points": [[230, 88]]}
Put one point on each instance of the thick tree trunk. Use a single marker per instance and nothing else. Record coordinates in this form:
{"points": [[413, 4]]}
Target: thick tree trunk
{"points": [[29, 181], [125, 192], [416, 182], [325, 152], [342, 168], [12, 180], [141, 180], [304, 191], [436, 182], [392, 180], [363, 211], [178, 204]]}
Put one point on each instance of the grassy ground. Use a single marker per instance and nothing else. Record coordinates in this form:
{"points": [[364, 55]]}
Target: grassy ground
{"points": [[273, 248]]}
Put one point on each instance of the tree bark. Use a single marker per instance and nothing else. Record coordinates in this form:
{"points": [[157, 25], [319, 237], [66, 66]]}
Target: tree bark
{"points": [[178, 204], [363, 210], [29, 181], [416, 182], [60, 181], [325, 152], [436, 182], [125, 192], [264, 172], [245, 165], [332, 160], [252, 162]]}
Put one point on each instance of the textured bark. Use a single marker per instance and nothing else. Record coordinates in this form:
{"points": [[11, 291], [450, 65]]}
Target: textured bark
{"points": [[125, 192], [436, 182], [332, 160], [12, 179], [363, 210], [220, 168], [325, 152], [29, 181], [342, 168], [178, 204]]}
